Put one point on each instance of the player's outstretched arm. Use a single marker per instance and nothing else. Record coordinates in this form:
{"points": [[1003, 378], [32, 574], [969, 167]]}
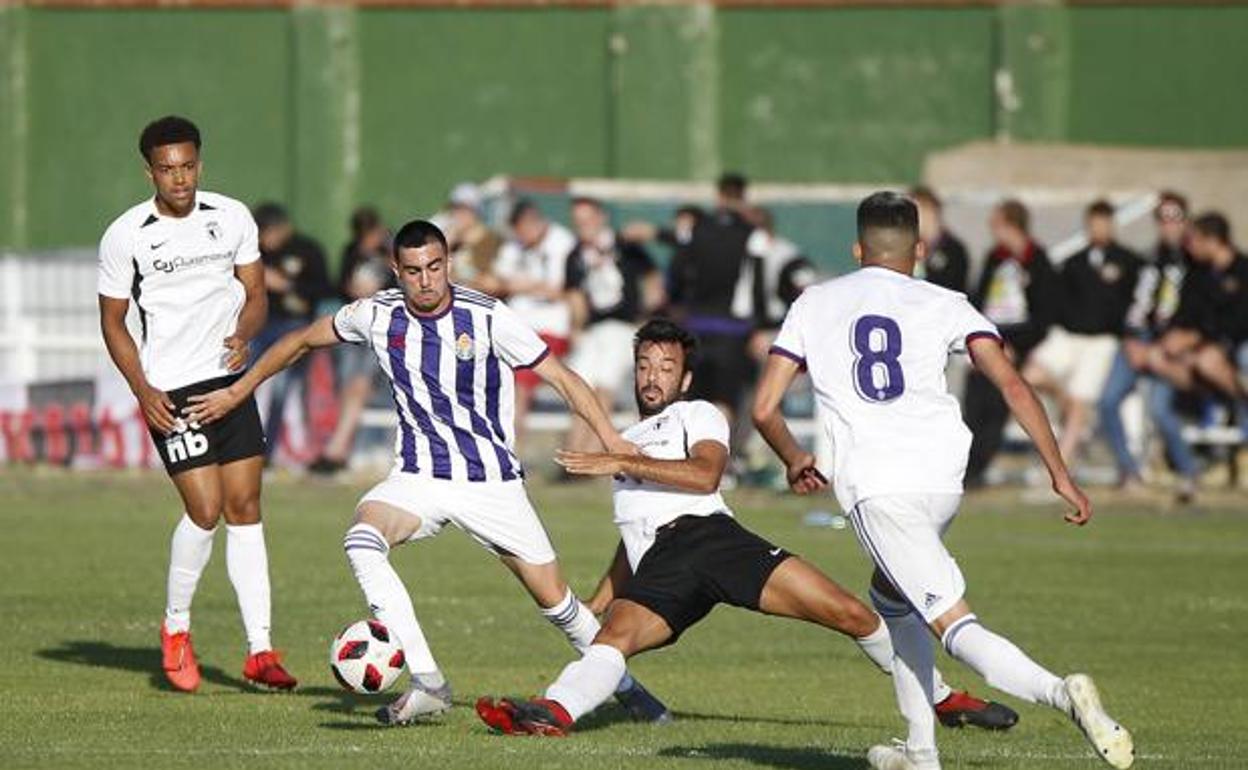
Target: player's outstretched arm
{"points": [[991, 360], [156, 405], [286, 351], [582, 400], [700, 472], [778, 375], [609, 587]]}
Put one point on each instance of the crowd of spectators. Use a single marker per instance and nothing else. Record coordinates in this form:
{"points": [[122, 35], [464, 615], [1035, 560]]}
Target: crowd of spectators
{"points": [[1090, 331]]}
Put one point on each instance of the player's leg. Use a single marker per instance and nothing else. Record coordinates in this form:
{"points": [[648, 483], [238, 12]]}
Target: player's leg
{"points": [[379, 525], [189, 551]]}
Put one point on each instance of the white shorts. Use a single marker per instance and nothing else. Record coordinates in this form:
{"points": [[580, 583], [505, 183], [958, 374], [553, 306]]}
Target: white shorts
{"points": [[497, 514], [603, 355], [1080, 363], [903, 536]]}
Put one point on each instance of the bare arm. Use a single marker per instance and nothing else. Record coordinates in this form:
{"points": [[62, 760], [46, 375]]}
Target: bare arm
{"points": [[286, 351], [991, 360], [252, 316], [156, 405], [700, 472], [609, 587], [582, 400], [799, 464]]}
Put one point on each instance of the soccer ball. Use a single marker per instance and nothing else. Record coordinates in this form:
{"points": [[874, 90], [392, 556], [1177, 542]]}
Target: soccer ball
{"points": [[365, 658]]}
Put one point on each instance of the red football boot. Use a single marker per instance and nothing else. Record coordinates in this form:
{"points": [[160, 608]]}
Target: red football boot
{"points": [[962, 708], [265, 669], [537, 716], [177, 658]]}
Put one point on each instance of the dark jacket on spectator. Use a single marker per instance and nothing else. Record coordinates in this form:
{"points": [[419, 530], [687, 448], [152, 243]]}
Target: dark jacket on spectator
{"points": [[1159, 291], [947, 263], [703, 276], [1217, 305], [1096, 287], [302, 261], [623, 302], [1039, 286]]}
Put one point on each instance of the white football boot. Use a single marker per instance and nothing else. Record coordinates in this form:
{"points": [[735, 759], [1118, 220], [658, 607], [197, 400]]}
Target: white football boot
{"points": [[1111, 740], [898, 757], [417, 703]]}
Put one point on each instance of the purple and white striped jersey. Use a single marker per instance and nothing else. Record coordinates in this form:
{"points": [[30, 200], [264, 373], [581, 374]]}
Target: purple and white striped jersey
{"points": [[452, 376]]}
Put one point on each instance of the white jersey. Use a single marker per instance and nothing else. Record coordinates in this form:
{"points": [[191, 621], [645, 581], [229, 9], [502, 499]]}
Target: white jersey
{"points": [[641, 507], [546, 262], [876, 343], [452, 379], [179, 271]]}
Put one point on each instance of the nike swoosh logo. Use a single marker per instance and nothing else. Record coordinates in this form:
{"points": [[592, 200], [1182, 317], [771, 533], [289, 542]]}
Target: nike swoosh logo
{"points": [[155, 246], [775, 551]]}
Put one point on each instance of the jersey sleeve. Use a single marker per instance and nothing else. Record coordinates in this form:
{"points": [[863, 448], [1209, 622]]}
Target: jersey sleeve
{"points": [[515, 341], [789, 341], [116, 265], [704, 422], [352, 323], [249, 245], [968, 324]]}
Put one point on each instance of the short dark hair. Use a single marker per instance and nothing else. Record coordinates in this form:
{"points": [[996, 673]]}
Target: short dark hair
{"points": [[1213, 224], [732, 185], [1014, 212], [269, 214], [887, 210], [417, 233], [363, 219], [921, 193], [691, 210], [1099, 208], [1170, 205], [170, 129], [523, 208], [660, 330], [587, 200]]}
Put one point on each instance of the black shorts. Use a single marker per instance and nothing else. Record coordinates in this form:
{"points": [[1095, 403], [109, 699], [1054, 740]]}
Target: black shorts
{"points": [[697, 562], [236, 436], [723, 370]]}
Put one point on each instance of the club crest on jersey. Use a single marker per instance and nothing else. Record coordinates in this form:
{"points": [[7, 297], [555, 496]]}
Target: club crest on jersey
{"points": [[463, 347], [214, 230]]}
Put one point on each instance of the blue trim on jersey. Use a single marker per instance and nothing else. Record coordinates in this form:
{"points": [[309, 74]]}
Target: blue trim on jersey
{"points": [[398, 354], [407, 446], [493, 385], [430, 371], [465, 393], [473, 295]]}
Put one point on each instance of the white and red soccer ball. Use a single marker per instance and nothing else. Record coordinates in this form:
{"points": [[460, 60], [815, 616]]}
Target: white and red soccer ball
{"points": [[366, 658]]}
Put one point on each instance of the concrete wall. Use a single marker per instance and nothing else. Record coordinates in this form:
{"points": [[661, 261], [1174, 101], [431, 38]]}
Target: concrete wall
{"points": [[326, 107]]}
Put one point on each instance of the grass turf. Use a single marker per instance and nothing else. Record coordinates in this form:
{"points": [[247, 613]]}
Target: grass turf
{"points": [[1151, 604]]}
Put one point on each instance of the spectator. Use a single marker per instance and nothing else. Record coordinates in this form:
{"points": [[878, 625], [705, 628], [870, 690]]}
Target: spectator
{"points": [[946, 263], [776, 273], [1158, 293], [1016, 292], [474, 245], [612, 285], [296, 277], [364, 270], [1096, 286], [531, 268], [703, 279]]}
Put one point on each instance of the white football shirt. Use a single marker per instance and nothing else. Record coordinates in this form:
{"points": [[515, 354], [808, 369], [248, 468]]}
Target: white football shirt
{"points": [[876, 343], [453, 380], [179, 272], [641, 507], [546, 262]]}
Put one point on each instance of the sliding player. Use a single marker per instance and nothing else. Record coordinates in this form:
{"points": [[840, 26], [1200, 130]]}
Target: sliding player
{"points": [[682, 552], [188, 260], [876, 343], [451, 354]]}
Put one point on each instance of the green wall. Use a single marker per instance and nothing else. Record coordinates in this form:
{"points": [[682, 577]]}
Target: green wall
{"points": [[327, 107]]}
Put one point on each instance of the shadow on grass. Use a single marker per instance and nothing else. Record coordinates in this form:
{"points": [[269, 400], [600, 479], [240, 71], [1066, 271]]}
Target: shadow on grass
{"points": [[792, 757], [143, 660], [692, 716]]}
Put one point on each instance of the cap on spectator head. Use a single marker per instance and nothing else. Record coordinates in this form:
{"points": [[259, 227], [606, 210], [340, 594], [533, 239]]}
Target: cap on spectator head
{"points": [[1171, 207], [732, 185], [466, 195], [269, 214]]}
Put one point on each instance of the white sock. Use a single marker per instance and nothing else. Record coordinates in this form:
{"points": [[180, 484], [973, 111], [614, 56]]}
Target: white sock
{"points": [[880, 651], [583, 685], [189, 551], [247, 563], [368, 552], [1002, 664], [914, 662], [574, 619]]}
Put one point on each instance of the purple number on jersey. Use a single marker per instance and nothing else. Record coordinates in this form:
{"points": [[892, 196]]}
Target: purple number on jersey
{"points": [[870, 362]]}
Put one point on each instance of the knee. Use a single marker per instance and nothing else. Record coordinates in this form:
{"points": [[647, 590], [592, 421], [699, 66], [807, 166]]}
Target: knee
{"points": [[859, 620], [205, 515], [242, 510]]}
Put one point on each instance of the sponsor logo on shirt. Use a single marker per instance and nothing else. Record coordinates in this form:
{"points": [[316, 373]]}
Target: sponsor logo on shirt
{"points": [[214, 230], [187, 263]]}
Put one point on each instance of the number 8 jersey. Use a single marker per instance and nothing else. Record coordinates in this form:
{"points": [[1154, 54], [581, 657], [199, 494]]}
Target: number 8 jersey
{"points": [[876, 343]]}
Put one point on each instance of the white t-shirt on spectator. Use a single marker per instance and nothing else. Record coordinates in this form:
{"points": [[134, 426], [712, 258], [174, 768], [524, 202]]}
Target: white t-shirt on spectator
{"points": [[544, 262]]}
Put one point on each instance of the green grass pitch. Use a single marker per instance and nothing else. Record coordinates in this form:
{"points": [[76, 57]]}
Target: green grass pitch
{"points": [[1152, 604]]}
